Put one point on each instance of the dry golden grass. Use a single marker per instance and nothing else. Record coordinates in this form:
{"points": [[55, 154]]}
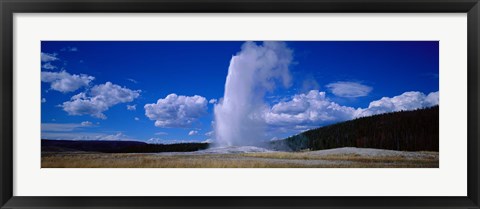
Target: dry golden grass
{"points": [[250, 160]]}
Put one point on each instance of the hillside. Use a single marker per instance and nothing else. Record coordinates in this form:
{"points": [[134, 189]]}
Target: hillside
{"points": [[416, 130], [117, 146]]}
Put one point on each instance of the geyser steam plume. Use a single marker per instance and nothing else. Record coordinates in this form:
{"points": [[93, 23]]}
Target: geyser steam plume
{"points": [[255, 70]]}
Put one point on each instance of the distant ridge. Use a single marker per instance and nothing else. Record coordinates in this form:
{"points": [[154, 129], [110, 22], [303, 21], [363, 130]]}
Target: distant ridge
{"points": [[416, 130], [117, 146]]}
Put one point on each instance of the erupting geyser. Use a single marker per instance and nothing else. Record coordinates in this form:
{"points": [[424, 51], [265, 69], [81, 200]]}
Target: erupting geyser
{"points": [[255, 70]]}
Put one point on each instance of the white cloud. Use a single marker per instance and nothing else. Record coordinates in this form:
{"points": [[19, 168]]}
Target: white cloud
{"points": [[310, 109], [432, 99], [86, 123], [65, 127], [64, 81], [210, 133], [212, 101], [48, 66], [176, 111], [46, 57], [99, 99], [44, 100], [155, 141], [136, 118], [314, 109], [192, 133], [172, 141], [349, 89], [114, 137], [131, 107], [91, 136], [407, 101], [132, 80], [61, 127]]}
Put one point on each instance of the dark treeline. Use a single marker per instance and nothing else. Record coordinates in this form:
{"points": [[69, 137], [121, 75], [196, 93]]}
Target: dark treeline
{"points": [[416, 130], [117, 146]]}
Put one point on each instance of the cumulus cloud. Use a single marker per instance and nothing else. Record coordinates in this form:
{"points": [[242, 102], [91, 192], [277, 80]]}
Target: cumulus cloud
{"points": [[131, 107], [64, 81], [212, 101], [99, 99], [46, 57], [349, 89], [136, 118], [176, 111], [407, 101], [312, 108], [192, 133], [44, 100], [432, 99]]}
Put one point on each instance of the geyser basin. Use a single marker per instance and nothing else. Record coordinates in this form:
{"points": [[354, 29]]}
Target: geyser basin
{"points": [[233, 150]]}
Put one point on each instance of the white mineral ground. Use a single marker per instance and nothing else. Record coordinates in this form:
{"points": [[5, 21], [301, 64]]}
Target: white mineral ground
{"points": [[366, 152]]}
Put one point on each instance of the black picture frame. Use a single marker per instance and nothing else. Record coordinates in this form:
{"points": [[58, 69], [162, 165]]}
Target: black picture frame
{"points": [[9, 7]]}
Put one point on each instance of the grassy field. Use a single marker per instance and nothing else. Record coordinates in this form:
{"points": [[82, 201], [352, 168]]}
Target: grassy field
{"points": [[240, 160]]}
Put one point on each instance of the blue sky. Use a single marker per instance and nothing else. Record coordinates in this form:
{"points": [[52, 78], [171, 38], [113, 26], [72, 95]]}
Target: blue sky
{"points": [[110, 90]]}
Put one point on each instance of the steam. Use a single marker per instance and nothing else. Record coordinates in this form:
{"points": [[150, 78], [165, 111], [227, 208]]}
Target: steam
{"points": [[254, 71]]}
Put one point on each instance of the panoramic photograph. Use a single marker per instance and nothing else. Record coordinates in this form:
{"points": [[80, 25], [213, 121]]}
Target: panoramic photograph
{"points": [[239, 104]]}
